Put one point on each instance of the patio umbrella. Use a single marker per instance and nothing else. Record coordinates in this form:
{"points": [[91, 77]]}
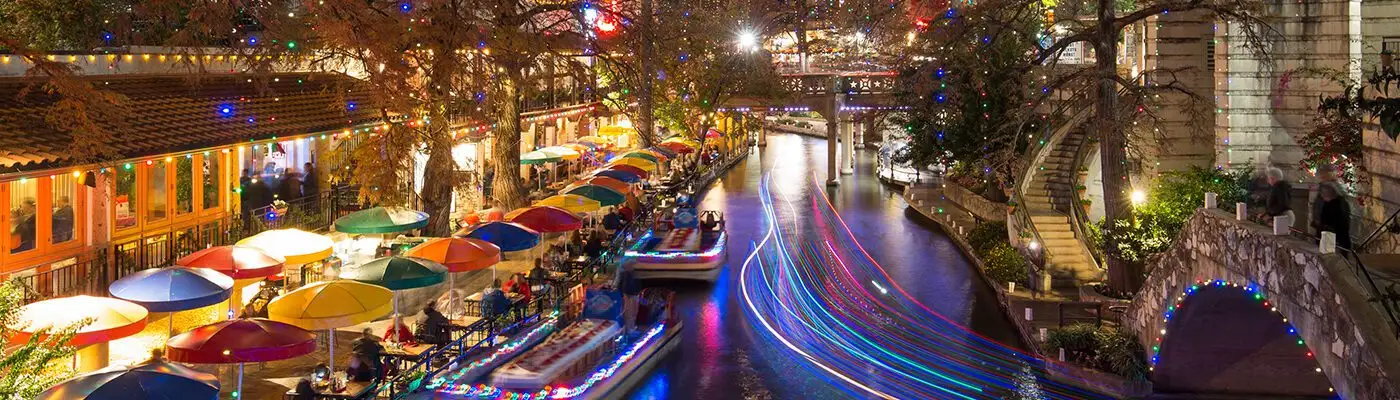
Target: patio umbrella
{"points": [[539, 157], [645, 165], [458, 254], [154, 379], [597, 140], [381, 220], [587, 145], [571, 202], [110, 319], [239, 341], [714, 133], [398, 273], [604, 181], [508, 236], [621, 175], [295, 246], [331, 305], [677, 147], [173, 289], [548, 219], [663, 151], [634, 170], [605, 196], [242, 263], [563, 152], [682, 140], [642, 155]]}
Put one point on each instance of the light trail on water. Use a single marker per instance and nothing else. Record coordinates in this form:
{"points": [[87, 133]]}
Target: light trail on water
{"points": [[809, 286]]}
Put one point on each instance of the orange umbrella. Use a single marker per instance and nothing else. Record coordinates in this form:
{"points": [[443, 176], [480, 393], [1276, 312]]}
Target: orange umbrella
{"points": [[238, 262], [609, 182], [111, 319], [458, 254]]}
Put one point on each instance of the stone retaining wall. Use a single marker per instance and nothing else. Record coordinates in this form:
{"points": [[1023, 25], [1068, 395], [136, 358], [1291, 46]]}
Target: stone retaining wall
{"points": [[974, 203]]}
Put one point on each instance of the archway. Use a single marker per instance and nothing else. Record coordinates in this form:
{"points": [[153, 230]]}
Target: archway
{"points": [[1227, 338]]}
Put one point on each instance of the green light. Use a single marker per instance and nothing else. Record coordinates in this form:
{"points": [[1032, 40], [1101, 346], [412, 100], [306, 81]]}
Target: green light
{"points": [[127, 166], [1300, 342], [291, 45]]}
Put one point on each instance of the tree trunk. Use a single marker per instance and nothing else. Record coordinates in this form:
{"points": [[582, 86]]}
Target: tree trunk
{"points": [[507, 187], [801, 33], [1123, 276], [438, 183], [646, 117]]}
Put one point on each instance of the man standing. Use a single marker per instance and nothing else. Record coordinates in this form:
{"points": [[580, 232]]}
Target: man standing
{"points": [[310, 182], [62, 220], [1326, 174]]}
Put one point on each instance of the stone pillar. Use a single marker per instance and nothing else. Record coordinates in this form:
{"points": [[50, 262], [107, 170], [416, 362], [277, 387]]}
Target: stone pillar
{"points": [[551, 135], [860, 131], [832, 126], [848, 155], [762, 130]]}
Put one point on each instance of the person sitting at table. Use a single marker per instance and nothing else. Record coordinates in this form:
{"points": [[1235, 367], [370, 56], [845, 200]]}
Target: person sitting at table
{"points": [[304, 390], [594, 248], [397, 331], [256, 308], [612, 221], [493, 300], [538, 278], [518, 285], [452, 304], [432, 329], [575, 246], [359, 370], [367, 348]]}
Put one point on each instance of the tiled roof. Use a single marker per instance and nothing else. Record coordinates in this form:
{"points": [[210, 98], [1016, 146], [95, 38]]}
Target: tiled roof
{"points": [[167, 114]]}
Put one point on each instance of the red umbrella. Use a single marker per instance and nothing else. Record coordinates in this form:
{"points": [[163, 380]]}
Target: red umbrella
{"points": [[238, 262], [547, 219], [677, 147], [629, 169], [604, 181], [240, 341]]}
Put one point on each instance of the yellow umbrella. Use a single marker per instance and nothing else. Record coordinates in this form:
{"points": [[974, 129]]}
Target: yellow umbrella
{"points": [[562, 152], [683, 140], [648, 165], [330, 305], [572, 202], [296, 246]]}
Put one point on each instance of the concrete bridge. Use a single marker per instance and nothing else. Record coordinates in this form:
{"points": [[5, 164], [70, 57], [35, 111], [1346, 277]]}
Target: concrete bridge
{"points": [[848, 101], [1232, 308]]}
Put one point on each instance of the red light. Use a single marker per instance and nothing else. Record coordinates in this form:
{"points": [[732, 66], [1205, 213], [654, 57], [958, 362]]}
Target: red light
{"points": [[921, 24], [606, 25]]}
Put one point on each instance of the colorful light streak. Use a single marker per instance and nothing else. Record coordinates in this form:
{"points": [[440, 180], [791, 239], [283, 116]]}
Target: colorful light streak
{"points": [[708, 253], [550, 392], [810, 286], [451, 382]]}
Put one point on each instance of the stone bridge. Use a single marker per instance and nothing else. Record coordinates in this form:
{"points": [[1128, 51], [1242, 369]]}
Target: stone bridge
{"points": [[1231, 308], [847, 100]]}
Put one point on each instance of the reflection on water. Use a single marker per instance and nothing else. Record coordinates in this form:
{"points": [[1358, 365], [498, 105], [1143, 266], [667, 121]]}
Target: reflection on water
{"points": [[721, 356]]}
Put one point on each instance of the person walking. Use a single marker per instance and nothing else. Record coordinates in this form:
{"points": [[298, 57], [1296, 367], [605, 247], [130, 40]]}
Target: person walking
{"points": [[369, 351], [1334, 213], [310, 180], [1278, 203], [1326, 173]]}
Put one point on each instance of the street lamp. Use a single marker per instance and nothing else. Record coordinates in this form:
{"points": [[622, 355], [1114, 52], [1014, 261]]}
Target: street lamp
{"points": [[748, 41]]}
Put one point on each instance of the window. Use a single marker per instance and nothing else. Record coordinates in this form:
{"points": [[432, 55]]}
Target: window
{"points": [[213, 180], [1391, 44], [63, 219], [126, 196], [155, 188], [184, 185], [24, 214]]}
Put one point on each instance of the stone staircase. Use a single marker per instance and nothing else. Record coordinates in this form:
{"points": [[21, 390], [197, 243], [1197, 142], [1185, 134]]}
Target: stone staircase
{"points": [[1048, 198]]}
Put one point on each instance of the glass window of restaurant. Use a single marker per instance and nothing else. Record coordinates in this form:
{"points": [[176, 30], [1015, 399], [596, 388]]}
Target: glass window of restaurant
{"points": [[125, 199], [213, 180], [64, 220], [155, 188], [24, 214], [184, 184]]}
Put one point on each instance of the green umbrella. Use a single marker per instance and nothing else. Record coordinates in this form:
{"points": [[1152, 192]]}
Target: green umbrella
{"points": [[398, 273], [381, 220], [602, 194], [641, 155], [539, 157]]}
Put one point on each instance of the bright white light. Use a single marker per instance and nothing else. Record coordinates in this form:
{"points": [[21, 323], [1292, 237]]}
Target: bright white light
{"points": [[1137, 197], [590, 15], [860, 36], [748, 41], [1035, 245]]}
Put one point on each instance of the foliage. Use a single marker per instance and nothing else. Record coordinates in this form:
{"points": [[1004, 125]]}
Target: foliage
{"points": [[1175, 195], [30, 367], [1103, 348], [1336, 134], [1137, 239], [986, 235], [1005, 264]]}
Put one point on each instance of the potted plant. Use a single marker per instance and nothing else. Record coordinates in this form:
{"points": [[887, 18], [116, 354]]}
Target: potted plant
{"points": [[1086, 203], [1083, 173], [1082, 189], [1010, 206]]}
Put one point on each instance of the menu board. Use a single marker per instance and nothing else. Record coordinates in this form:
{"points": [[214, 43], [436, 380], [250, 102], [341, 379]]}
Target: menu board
{"points": [[548, 361]]}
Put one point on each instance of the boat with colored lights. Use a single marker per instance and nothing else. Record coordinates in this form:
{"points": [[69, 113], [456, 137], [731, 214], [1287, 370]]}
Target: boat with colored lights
{"points": [[592, 357], [687, 247]]}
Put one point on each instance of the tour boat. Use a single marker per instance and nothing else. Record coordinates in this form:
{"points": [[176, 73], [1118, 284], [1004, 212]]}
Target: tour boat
{"points": [[590, 358], [691, 250]]}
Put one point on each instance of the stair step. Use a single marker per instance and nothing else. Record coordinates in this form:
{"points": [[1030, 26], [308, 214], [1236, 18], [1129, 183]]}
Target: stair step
{"points": [[1049, 235], [1049, 219]]}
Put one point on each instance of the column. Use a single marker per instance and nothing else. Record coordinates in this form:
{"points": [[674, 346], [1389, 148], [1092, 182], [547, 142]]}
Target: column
{"points": [[832, 126], [551, 134], [848, 155], [762, 130]]}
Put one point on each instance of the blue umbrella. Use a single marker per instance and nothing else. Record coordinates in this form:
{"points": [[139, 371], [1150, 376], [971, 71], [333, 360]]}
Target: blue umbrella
{"points": [[620, 175], [173, 289], [509, 236], [153, 379]]}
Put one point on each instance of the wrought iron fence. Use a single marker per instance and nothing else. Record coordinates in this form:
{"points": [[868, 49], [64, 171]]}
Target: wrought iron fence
{"points": [[75, 276]]}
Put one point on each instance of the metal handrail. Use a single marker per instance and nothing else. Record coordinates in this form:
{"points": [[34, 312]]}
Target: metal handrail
{"points": [[1389, 302], [1037, 152], [1079, 219]]}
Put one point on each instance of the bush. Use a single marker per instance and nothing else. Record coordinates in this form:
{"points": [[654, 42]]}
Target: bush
{"points": [[1005, 264], [1174, 197], [986, 235], [1103, 348]]}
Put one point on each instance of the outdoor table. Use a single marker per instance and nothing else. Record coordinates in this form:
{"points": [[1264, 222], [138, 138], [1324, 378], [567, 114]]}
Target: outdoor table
{"points": [[406, 354], [577, 263], [353, 390]]}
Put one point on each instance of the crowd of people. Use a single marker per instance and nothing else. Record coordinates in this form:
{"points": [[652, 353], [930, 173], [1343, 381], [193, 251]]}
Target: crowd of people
{"points": [[1329, 205], [258, 191]]}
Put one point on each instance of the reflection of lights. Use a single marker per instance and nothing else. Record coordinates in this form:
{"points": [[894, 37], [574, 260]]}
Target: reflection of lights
{"points": [[505, 350], [653, 255]]}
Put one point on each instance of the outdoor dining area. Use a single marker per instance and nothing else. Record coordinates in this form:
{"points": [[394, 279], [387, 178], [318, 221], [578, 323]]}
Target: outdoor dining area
{"points": [[356, 312]]}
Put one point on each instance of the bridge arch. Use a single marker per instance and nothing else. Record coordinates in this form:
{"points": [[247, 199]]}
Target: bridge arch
{"points": [[1228, 337], [1319, 294]]}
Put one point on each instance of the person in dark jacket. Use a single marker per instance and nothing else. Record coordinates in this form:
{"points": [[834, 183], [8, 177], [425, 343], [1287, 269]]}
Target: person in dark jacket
{"points": [[432, 329], [310, 182], [493, 301], [612, 221], [630, 287], [368, 350], [594, 248], [1335, 213], [291, 186], [1280, 198]]}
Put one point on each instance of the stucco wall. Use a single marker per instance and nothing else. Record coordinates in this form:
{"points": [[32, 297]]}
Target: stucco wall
{"points": [[1318, 294]]}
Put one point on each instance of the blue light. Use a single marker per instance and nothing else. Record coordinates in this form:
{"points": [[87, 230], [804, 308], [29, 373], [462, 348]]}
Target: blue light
{"points": [[405, 6], [951, 12], [252, 40], [939, 73], [251, 120], [940, 97], [351, 106], [225, 110], [106, 36]]}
